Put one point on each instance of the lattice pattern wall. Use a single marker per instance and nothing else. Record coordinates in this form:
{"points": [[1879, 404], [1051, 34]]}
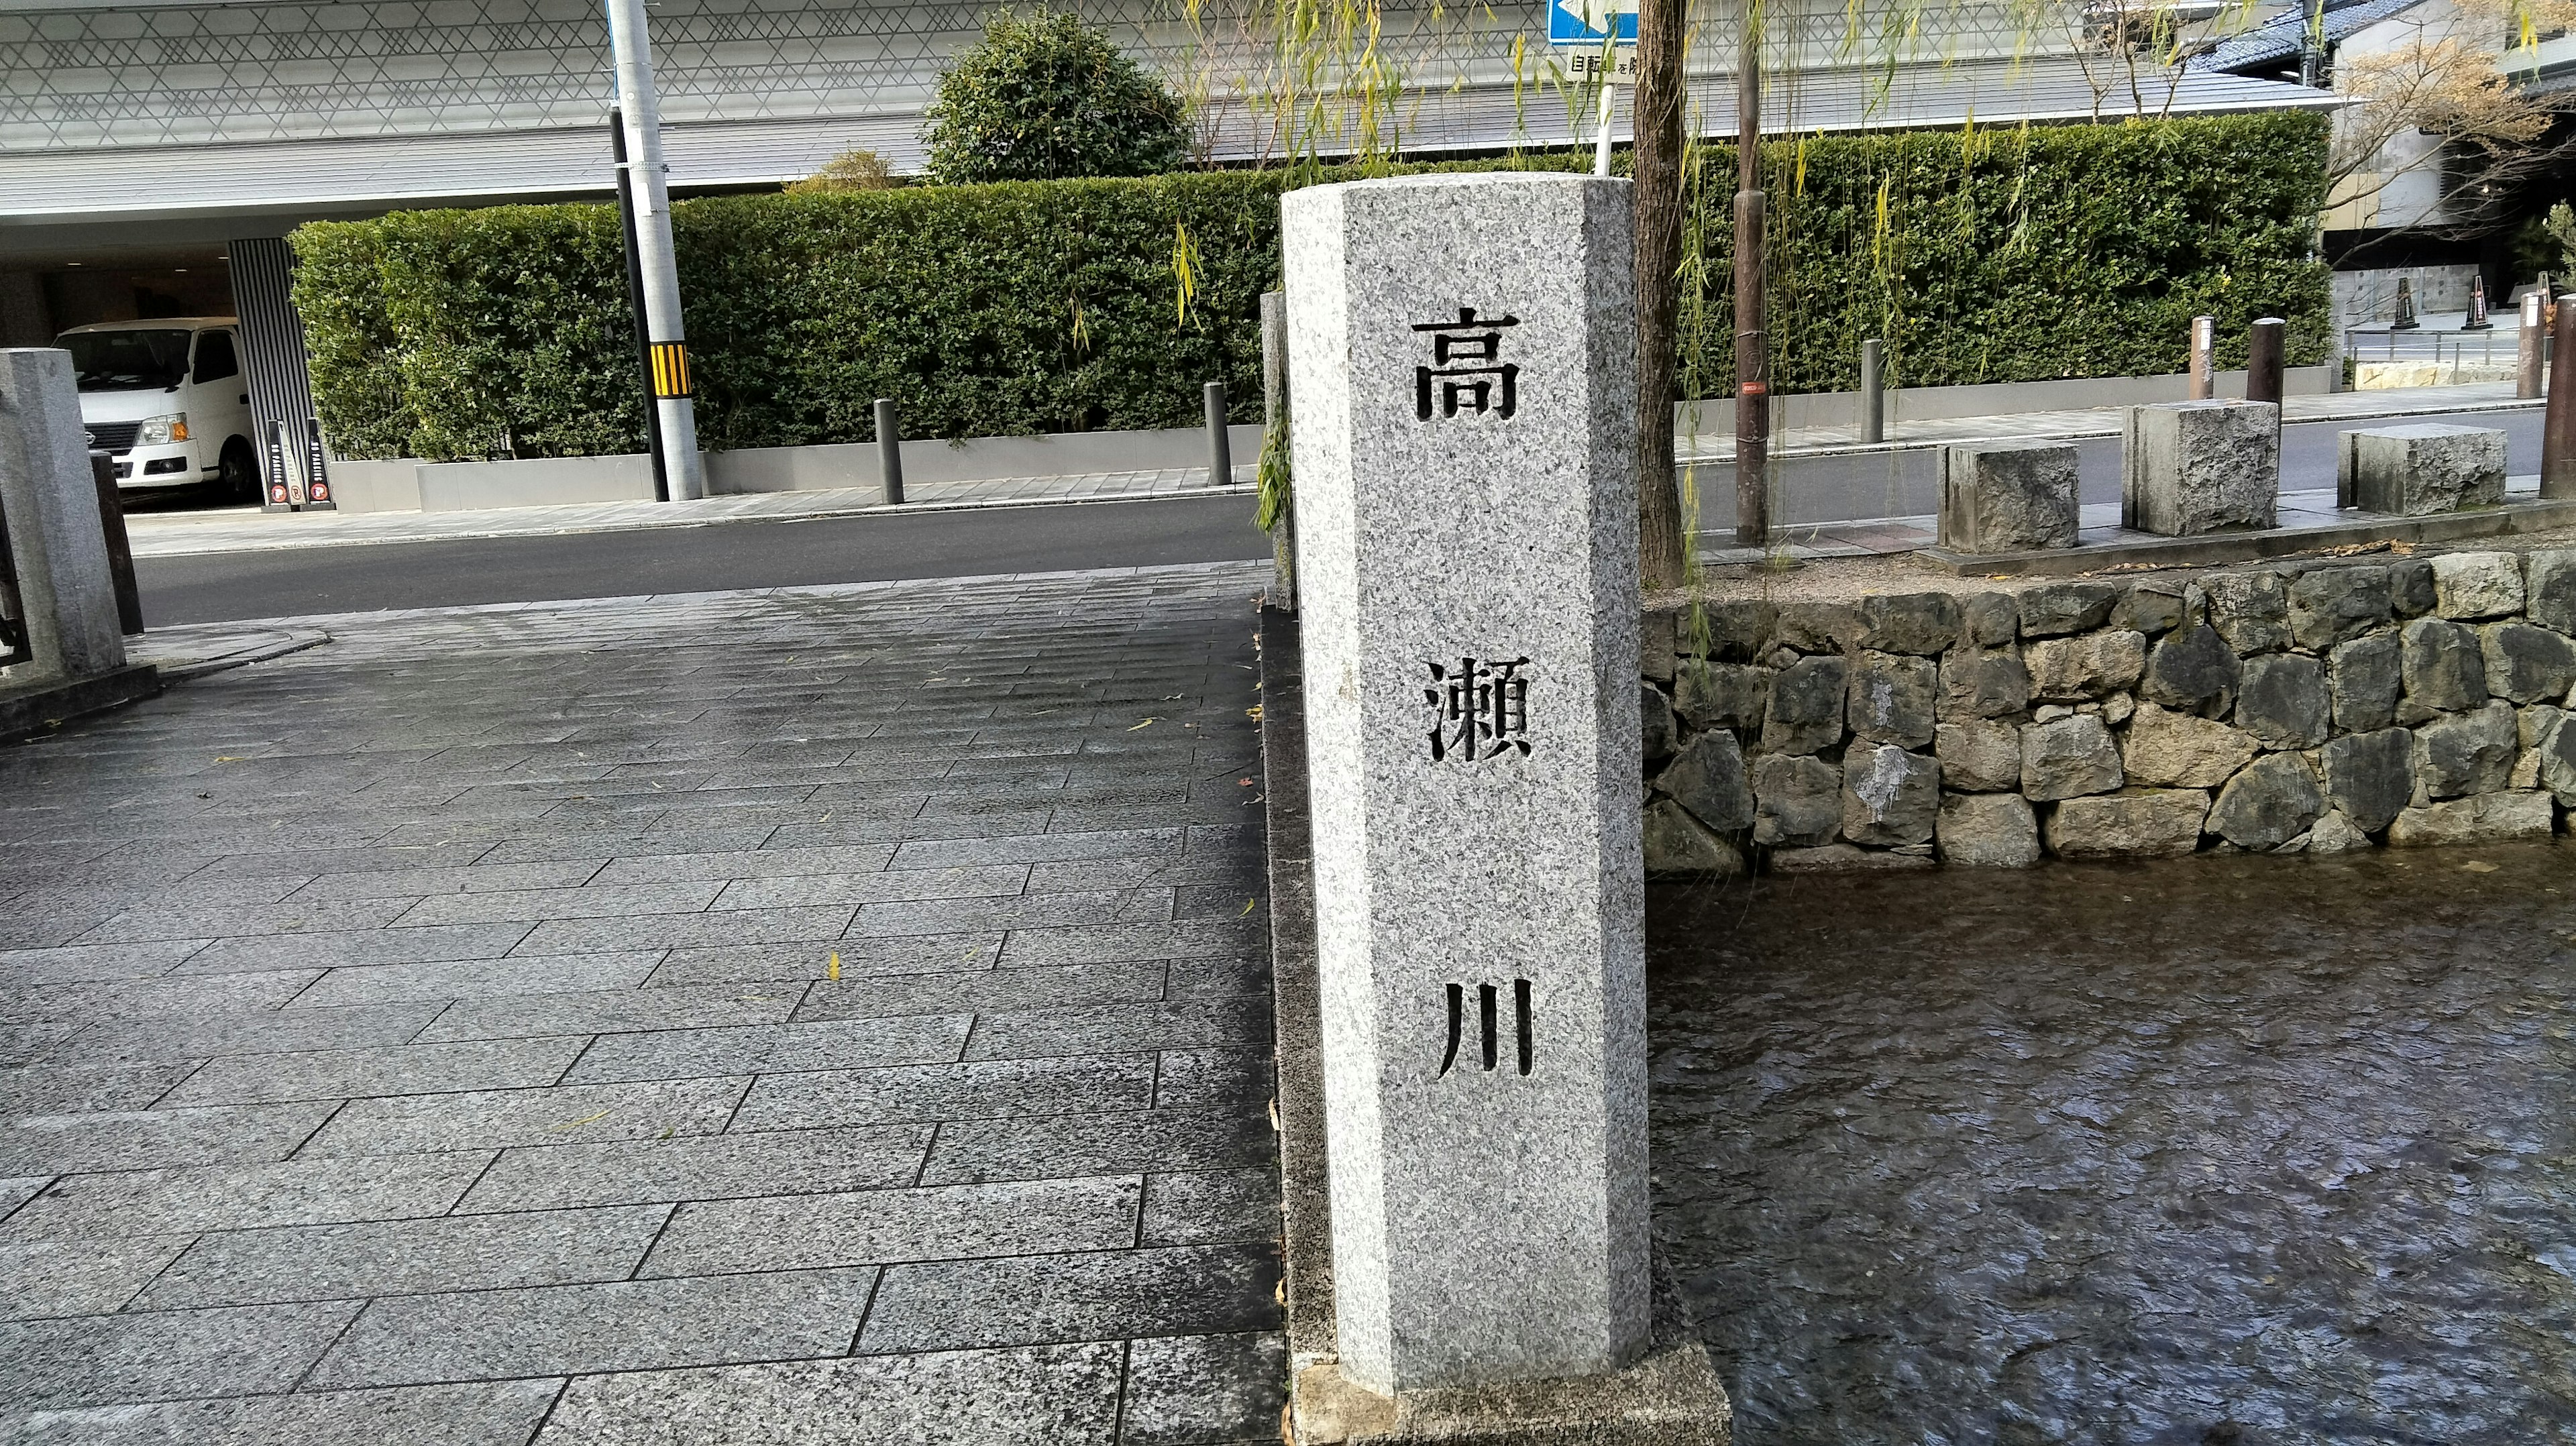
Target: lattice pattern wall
{"points": [[306, 69]]}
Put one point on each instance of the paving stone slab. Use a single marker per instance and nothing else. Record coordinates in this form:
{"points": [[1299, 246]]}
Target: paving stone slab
{"points": [[1032, 911], [1070, 1146], [146, 1139], [1211, 1207], [172, 995], [100, 1360], [685, 931], [79, 1275], [1041, 1299], [897, 885], [241, 1031], [311, 916], [760, 1049], [1042, 1396], [494, 1119], [1119, 1028], [1038, 847], [713, 1167], [982, 991], [749, 864], [398, 1069], [243, 1197], [596, 901], [479, 978], [987, 1089], [611, 1011], [575, 1329], [875, 1227], [468, 879], [1215, 1079], [354, 948], [77, 963], [1200, 1390], [72, 1088], [1193, 939], [500, 1413], [408, 1257]]}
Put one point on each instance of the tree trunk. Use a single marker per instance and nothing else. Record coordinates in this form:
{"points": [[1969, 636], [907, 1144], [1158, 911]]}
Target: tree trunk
{"points": [[1658, 160]]}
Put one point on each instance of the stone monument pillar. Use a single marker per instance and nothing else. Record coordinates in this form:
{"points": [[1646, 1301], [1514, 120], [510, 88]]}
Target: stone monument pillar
{"points": [[1461, 352], [51, 503]]}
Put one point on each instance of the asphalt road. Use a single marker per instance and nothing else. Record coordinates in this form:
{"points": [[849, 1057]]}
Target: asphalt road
{"points": [[222, 587]]}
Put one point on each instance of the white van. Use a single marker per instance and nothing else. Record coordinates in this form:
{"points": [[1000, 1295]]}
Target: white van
{"points": [[167, 399]]}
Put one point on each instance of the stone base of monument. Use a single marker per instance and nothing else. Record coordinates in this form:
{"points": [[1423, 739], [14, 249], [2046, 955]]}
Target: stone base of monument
{"points": [[1671, 1397], [2188, 468], [2008, 496], [2421, 470]]}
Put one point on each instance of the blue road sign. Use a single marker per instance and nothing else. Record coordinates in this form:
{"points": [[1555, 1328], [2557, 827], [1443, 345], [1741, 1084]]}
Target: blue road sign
{"points": [[1578, 22]]}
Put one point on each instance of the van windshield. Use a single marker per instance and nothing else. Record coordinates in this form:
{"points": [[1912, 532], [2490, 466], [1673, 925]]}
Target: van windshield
{"points": [[127, 361]]}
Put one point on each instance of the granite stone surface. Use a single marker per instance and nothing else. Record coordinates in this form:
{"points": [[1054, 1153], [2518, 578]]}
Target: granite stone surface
{"points": [[2190, 468], [2422, 468], [2008, 496], [1462, 350]]}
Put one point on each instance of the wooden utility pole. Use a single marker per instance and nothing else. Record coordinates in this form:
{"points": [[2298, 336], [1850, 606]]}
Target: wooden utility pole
{"points": [[1752, 346], [1657, 156]]}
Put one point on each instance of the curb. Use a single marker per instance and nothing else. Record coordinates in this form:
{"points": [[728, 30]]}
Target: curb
{"points": [[275, 644]]}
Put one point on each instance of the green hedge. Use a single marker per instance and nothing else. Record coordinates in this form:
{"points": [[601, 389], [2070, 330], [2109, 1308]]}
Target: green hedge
{"points": [[1052, 306]]}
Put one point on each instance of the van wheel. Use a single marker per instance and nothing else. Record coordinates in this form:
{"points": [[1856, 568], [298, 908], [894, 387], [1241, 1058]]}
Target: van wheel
{"points": [[240, 477]]}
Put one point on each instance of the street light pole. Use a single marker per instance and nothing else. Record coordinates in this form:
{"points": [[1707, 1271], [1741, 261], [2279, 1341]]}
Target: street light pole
{"points": [[651, 191]]}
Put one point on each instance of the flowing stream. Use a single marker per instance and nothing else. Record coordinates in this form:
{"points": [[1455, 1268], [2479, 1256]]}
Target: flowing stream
{"points": [[2229, 1150]]}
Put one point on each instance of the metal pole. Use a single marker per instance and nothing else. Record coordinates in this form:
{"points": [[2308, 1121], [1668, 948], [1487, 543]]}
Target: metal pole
{"points": [[2527, 343], [1873, 393], [655, 255], [2263, 360], [2558, 423], [2204, 357], [1220, 446], [1752, 345], [635, 302], [889, 451]]}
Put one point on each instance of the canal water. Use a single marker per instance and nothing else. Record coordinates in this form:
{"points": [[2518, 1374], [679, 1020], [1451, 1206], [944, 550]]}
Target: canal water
{"points": [[2228, 1150]]}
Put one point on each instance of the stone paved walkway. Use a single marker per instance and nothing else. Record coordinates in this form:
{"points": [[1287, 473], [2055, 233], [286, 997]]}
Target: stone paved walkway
{"points": [[430, 1036]]}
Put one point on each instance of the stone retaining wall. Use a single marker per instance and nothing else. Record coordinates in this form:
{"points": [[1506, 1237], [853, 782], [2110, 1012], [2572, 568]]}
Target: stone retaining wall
{"points": [[2319, 706]]}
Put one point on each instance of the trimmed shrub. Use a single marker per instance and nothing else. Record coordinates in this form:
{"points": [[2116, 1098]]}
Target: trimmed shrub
{"points": [[1056, 306], [1044, 97]]}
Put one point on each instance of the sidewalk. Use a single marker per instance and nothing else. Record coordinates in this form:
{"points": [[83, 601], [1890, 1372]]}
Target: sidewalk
{"points": [[810, 1014], [244, 529]]}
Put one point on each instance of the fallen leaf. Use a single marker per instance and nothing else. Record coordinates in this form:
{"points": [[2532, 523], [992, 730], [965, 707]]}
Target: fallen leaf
{"points": [[1243, 783], [1249, 905], [585, 1120], [832, 970], [1252, 712], [1148, 723]]}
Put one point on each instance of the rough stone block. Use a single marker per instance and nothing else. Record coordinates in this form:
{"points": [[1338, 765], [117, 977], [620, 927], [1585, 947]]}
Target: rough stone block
{"points": [[2370, 777], [2165, 749], [2193, 669], [2366, 677], [1983, 683], [2250, 609], [1707, 778], [2089, 665], [1797, 802], [1734, 632], [2336, 834], [1890, 796], [2527, 663], [2549, 588], [1891, 699], [1924, 623], [1465, 452], [1721, 695], [2008, 496], [2554, 744], [2410, 587], [1818, 627], [2153, 608], [2487, 818], [2284, 701], [2422, 468], [1844, 858], [1655, 729], [2058, 608], [1988, 830], [1655, 651], [1804, 713], [2067, 758], [2189, 468], [1979, 756], [2444, 668], [2138, 823], [1680, 845], [2477, 584], [2330, 605], [2468, 752], [1990, 619], [2274, 800]]}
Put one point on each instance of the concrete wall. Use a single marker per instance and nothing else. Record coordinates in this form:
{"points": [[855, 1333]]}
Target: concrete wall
{"points": [[1716, 417]]}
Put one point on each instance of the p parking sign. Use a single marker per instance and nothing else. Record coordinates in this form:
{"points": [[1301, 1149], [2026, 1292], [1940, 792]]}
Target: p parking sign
{"points": [[1590, 22]]}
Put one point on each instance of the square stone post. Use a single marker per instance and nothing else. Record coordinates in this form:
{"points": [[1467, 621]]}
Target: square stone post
{"points": [[1462, 357], [2008, 496], [51, 504], [2190, 468], [2421, 469]]}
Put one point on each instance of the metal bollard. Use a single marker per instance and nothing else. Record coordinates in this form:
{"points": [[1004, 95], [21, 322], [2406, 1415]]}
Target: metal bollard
{"points": [[2204, 357], [2527, 347], [1220, 446], [2264, 360], [2558, 422], [889, 451], [1873, 392]]}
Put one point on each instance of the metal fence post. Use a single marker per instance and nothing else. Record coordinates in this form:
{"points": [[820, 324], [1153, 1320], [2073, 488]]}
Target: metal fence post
{"points": [[1873, 393], [1220, 446], [889, 451]]}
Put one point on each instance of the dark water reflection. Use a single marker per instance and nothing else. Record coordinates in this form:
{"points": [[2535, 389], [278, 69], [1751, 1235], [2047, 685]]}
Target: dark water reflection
{"points": [[2226, 1150]]}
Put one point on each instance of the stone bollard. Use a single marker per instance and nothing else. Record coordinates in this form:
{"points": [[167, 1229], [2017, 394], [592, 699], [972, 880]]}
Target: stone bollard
{"points": [[1463, 350], [1219, 442], [2008, 496], [2420, 469], [2188, 468], [50, 504]]}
